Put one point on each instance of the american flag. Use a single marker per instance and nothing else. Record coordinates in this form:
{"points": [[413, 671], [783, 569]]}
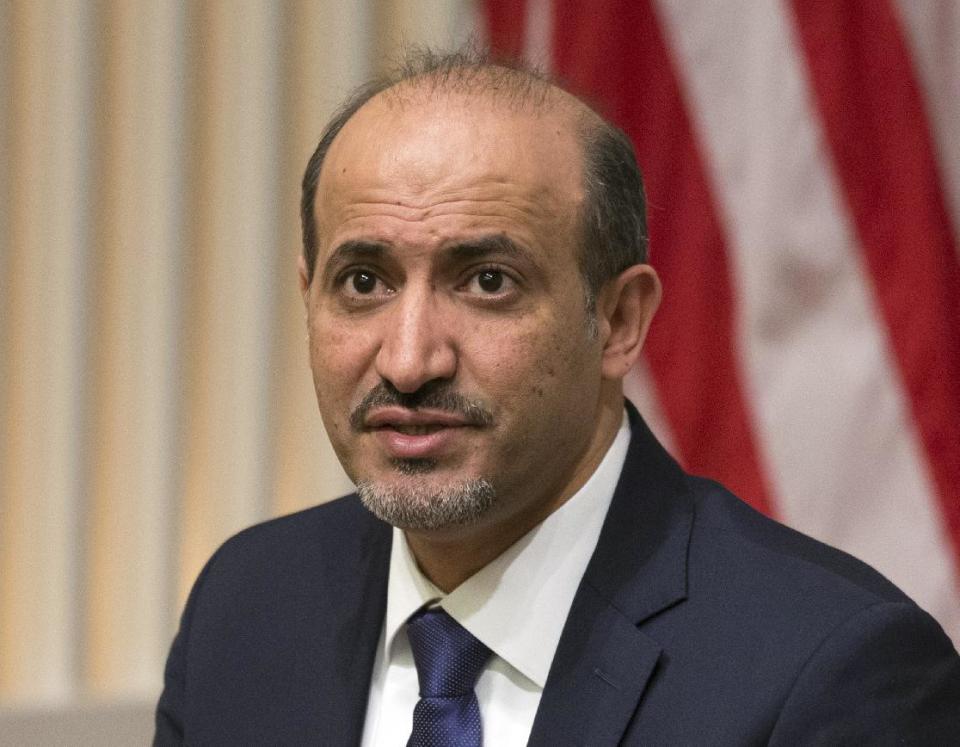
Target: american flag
{"points": [[802, 163]]}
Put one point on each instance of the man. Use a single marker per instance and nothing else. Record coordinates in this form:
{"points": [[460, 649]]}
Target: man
{"points": [[475, 281]]}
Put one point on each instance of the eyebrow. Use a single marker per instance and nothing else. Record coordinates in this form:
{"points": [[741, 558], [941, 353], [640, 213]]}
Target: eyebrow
{"points": [[484, 246], [351, 251], [357, 250]]}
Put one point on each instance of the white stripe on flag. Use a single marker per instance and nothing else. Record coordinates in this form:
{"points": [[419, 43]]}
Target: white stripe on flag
{"points": [[537, 44], [932, 29], [832, 421]]}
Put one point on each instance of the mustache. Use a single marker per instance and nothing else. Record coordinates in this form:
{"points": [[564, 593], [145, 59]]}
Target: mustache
{"points": [[434, 395]]}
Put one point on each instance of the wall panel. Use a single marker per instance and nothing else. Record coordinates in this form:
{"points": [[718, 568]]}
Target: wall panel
{"points": [[230, 292], [134, 361], [45, 260]]}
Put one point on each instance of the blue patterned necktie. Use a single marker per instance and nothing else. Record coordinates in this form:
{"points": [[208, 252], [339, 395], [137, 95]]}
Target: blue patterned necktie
{"points": [[449, 661]]}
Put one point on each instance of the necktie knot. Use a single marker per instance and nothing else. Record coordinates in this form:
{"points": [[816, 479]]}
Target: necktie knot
{"points": [[448, 658]]}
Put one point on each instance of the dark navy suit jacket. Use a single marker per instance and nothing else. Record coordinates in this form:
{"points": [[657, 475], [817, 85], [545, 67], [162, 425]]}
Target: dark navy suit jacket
{"points": [[697, 622]]}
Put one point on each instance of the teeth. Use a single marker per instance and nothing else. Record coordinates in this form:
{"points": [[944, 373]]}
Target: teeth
{"points": [[416, 430]]}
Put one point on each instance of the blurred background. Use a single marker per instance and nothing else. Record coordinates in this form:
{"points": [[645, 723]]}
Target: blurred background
{"points": [[803, 170]]}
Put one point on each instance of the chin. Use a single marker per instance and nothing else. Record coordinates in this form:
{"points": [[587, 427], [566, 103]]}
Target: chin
{"points": [[413, 502]]}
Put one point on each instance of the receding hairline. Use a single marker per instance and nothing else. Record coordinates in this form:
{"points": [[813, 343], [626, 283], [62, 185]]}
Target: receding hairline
{"points": [[517, 89], [514, 90]]}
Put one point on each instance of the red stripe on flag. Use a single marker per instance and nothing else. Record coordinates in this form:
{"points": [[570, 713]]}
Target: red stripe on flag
{"points": [[506, 26], [879, 139], [692, 345]]}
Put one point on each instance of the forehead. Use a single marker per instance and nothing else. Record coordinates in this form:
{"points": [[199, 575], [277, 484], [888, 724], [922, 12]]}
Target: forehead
{"points": [[435, 153]]}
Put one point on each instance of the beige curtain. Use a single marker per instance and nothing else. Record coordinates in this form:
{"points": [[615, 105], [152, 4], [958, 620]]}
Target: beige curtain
{"points": [[154, 389]]}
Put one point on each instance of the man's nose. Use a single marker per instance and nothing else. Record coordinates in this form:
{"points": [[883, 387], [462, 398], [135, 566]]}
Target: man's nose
{"points": [[417, 345]]}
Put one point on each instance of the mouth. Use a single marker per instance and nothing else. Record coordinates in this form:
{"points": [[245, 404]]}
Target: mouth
{"points": [[414, 422], [417, 434], [414, 430]]}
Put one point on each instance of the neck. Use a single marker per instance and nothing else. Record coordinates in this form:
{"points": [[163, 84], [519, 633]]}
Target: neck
{"points": [[450, 556]]}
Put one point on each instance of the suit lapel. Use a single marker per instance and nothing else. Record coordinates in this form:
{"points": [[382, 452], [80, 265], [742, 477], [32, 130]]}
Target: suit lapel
{"points": [[600, 671], [354, 623], [604, 662]]}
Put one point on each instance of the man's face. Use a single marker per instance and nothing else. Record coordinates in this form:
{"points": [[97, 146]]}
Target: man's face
{"points": [[449, 341]]}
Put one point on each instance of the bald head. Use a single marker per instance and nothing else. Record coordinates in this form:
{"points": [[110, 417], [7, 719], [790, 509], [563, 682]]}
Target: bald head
{"points": [[610, 219]]}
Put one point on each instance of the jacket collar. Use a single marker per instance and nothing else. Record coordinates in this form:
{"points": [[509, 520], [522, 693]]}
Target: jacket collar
{"points": [[639, 568]]}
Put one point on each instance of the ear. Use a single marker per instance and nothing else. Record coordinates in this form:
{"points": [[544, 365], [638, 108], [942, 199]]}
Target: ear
{"points": [[303, 277], [626, 306]]}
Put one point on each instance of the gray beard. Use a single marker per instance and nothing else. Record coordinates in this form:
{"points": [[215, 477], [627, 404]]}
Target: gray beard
{"points": [[422, 507]]}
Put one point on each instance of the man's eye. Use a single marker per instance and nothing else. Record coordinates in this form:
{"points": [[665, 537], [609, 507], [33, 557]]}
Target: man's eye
{"points": [[359, 284], [490, 282]]}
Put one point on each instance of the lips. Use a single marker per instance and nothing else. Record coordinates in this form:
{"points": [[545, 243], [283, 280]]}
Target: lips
{"points": [[416, 434]]}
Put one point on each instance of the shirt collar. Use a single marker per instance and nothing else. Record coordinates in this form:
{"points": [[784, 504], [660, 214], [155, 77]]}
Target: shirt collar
{"points": [[534, 580]]}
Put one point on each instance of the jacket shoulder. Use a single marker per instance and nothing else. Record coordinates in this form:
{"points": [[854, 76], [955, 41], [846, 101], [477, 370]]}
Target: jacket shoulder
{"points": [[279, 632], [763, 548], [322, 538], [792, 641], [326, 519]]}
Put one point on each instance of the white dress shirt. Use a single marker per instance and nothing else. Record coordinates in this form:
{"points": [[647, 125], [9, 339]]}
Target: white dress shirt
{"points": [[517, 605]]}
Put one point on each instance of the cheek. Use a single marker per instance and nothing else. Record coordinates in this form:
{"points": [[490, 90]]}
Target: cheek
{"points": [[531, 364], [566, 370], [502, 355], [339, 360], [334, 351]]}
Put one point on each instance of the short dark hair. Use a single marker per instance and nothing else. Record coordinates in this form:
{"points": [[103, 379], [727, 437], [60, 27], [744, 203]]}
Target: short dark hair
{"points": [[613, 223]]}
